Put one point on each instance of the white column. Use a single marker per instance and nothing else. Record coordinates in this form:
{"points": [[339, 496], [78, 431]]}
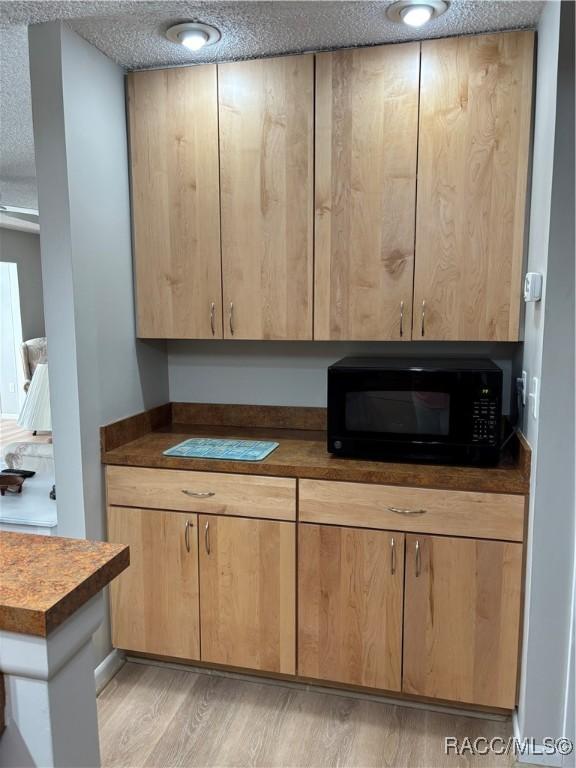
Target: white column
{"points": [[51, 718]]}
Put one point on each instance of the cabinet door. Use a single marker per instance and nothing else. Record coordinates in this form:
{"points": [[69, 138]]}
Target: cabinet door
{"points": [[154, 603], [248, 600], [350, 592], [175, 202], [462, 619], [475, 108], [366, 143], [266, 168]]}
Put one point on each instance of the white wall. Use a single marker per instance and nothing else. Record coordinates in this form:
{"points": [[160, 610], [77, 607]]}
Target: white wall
{"points": [[292, 373], [11, 374], [23, 249], [549, 355], [98, 371]]}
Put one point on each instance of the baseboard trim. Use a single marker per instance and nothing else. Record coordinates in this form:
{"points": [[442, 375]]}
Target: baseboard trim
{"points": [[108, 668], [312, 688], [535, 753]]}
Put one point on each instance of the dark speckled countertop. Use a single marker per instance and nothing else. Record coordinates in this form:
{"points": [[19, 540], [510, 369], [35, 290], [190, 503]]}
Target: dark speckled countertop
{"points": [[45, 579], [140, 441]]}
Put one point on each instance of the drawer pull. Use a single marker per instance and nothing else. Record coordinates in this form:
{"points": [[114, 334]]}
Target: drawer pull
{"points": [[199, 494], [400, 511], [393, 553]]}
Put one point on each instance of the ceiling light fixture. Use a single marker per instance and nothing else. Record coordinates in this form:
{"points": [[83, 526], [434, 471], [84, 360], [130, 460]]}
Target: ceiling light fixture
{"points": [[193, 35], [415, 13], [417, 16]]}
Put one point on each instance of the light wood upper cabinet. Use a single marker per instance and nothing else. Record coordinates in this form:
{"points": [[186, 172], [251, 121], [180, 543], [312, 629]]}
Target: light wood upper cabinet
{"points": [[369, 194], [350, 594], [365, 197], [462, 619], [154, 603], [173, 117], [473, 150], [248, 593], [266, 169]]}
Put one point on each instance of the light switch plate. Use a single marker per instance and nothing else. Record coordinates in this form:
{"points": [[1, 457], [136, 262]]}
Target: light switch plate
{"points": [[533, 286]]}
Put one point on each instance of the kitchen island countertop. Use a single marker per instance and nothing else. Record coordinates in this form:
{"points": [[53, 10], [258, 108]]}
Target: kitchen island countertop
{"points": [[45, 579]]}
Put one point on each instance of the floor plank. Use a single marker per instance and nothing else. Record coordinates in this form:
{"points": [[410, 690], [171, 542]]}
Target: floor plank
{"points": [[10, 432], [159, 716]]}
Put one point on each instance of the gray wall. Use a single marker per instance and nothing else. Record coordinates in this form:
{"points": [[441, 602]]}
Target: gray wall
{"points": [[541, 193], [549, 349], [290, 372], [23, 249], [102, 372]]}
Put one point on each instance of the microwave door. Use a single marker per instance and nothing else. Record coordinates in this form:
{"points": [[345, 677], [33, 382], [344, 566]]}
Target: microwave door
{"points": [[398, 414]]}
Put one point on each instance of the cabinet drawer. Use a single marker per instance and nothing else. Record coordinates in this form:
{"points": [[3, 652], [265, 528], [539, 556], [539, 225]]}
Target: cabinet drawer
{"points": [[208, 492], [421, 510]]}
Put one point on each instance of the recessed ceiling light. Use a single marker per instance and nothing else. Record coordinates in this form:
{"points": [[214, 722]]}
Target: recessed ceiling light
{"points": [[416, 13], [417, 16], [193, 35]]}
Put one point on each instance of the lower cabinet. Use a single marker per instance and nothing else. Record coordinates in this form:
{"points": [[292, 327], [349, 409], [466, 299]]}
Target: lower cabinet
{"points": [[206, 587], [350, 592], [248, 593], [462, 619], [441, 621], [435, 616], [155, 601]]}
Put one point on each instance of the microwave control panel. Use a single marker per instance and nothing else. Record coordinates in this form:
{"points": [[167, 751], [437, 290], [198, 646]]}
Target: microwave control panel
{"points": [[485, 427]]}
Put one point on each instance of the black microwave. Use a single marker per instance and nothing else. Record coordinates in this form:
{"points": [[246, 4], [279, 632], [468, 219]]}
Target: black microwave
{"points": [[445, 411]]}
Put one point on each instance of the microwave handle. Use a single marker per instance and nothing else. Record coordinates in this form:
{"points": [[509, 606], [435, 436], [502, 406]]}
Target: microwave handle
{"points": [[400, 511]]}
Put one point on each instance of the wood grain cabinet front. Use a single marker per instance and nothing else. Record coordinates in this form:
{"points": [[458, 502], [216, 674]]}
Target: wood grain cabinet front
{"points": [[462, 620], [473, 155], [350, 596], [154, 603], [248, 593], [425, 510], [365, 197], [266, 113], [210, 492], [173, 119]]}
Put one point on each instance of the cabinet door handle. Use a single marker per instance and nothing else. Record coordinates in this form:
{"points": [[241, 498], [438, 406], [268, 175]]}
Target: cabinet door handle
{"points": [[400, 511], [187, 534], [207, 537], [231, 318], [422, 328], [213, 318], [199, 494], [418, 559], [393, 556], [401, 318]]}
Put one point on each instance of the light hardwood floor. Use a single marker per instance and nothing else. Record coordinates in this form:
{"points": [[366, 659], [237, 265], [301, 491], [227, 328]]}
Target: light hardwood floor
{"points": [[10, 432], [159, 716]]}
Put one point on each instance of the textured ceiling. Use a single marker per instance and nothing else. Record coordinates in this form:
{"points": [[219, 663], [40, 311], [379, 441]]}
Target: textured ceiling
{"points": [[17, 170], [131, 32]]}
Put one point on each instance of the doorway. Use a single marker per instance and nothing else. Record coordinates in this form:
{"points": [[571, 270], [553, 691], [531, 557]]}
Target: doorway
{"points": [[11, 374]]}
